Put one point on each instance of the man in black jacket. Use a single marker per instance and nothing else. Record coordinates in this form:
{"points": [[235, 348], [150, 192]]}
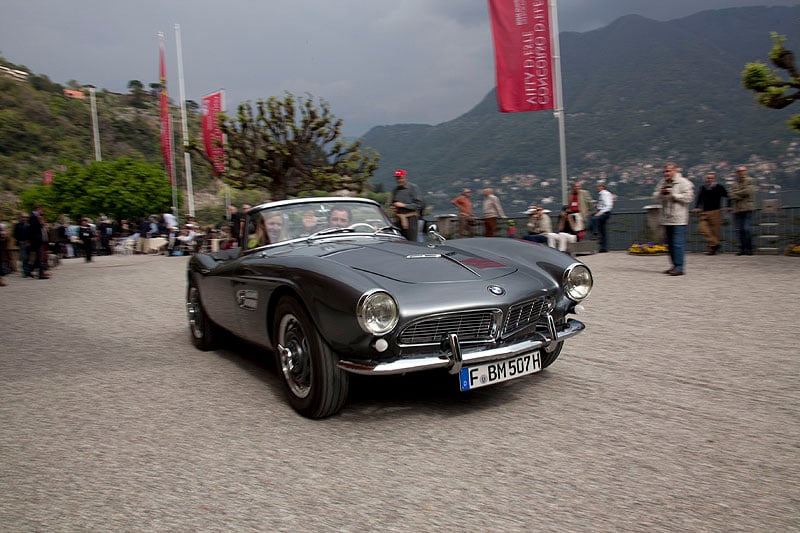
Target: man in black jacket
{"points": [[709, 205], [406, 202], [36, 240], [106, 229], [86, 235], [21, 235]]}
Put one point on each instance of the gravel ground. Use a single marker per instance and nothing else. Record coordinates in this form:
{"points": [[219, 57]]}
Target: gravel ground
{"points": [[677, 410]]}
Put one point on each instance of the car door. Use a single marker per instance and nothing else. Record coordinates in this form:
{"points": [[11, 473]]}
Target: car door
{"points": [[218, 293], [252, 285]]}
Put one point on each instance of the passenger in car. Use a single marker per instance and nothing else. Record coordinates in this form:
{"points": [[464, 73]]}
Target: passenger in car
{"points": [[276, 228], [309, 224], [269, 230]]}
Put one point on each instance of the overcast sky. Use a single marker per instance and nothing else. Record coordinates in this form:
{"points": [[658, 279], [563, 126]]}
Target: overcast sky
{"points": [[376, 62]]}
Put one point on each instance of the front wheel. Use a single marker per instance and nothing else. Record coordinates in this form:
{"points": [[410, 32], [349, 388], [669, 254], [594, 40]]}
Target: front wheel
{"points": [[316, 386], [204, 333]]}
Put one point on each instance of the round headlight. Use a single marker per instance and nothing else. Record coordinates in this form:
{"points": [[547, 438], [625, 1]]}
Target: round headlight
{"points": [[577, 282], [377, 312]]}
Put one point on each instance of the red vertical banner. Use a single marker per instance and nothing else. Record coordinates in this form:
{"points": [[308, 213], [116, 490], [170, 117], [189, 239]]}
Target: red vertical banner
{"points": [[524, 66], [212, 134], [166, 125], [48, 177]]}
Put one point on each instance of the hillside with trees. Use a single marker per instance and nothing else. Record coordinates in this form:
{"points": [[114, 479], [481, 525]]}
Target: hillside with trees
{"points": [[276, 148], [43, 128]]}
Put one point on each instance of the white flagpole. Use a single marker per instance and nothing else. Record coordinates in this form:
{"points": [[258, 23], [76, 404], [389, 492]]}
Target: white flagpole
{"points": [[95, 127], [171, 165], [186, 158], [228, 202], [559, 110]]}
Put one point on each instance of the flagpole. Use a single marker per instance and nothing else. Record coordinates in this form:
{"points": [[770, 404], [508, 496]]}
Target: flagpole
{"points": [[95, 127], [224, 135], [186, 158], [169, 157], [228, 202], [559, 110]]}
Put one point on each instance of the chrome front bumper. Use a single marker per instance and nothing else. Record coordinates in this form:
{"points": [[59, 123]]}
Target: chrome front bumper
{"points": [[455, 359]]}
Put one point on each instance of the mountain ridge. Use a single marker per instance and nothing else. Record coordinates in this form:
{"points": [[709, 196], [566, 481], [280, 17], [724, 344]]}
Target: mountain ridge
{"points": [[636, 92]]}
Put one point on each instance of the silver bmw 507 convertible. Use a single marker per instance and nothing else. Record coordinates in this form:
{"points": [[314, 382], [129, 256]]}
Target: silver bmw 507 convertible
{"points": [[331, 288]]}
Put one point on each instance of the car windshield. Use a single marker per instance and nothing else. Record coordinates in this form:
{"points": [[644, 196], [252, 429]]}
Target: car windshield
{"points": [[313, 218]]}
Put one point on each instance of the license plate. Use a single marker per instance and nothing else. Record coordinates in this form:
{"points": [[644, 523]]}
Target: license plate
{"points": [[497, 371]]}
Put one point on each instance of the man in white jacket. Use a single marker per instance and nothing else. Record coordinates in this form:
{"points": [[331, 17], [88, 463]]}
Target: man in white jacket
{"points": [[675, 194]]}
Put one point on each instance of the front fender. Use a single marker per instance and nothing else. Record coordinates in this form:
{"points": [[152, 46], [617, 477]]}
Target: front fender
{"points": [[330, 293]]}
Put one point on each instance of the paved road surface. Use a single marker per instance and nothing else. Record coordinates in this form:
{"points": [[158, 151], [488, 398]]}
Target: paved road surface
{"points": [[677, 410]]}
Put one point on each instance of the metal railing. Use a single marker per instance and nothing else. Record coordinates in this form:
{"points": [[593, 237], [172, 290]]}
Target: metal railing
{"points": [[628, 227]]}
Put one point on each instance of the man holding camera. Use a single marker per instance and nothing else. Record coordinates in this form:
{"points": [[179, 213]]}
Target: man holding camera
{"points": [[675, 194]]}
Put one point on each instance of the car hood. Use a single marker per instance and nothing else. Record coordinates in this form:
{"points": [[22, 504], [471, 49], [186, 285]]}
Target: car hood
{"points": [[412, 263]]}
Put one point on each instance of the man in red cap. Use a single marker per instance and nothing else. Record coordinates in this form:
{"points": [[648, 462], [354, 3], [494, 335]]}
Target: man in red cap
{"points": [[406, 203]]}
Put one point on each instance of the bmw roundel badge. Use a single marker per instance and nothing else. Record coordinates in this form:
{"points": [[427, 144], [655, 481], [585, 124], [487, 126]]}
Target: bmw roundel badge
{"points": [[496, 290]]}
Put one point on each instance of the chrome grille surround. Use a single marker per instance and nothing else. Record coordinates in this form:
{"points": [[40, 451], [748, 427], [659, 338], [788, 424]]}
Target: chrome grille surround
{"points": [[476, 325], [524, 314]]}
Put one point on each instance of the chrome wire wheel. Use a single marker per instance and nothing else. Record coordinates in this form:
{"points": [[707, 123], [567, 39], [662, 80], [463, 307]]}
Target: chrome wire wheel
{"points": [[315, 386], [294, 355], [203, 332]]}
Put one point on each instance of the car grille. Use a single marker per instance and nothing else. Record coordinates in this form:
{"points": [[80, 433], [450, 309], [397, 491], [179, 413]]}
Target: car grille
{"points": [[469, 326], [523, 314]]}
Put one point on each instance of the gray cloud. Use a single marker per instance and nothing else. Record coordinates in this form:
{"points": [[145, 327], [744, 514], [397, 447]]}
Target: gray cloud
{"points": [[376, 62]]}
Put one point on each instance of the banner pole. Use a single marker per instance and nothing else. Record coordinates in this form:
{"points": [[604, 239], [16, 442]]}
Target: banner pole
{"points": [[228, 202], [166, 127], [95, 127], [186, 157], [224, 110], [559, 110]]}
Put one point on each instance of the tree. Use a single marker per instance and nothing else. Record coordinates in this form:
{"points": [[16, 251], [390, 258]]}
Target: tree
{"points": [[292, 146], [137, 94], [43, 83], [772, 89], [124, 189], [135, 86]]}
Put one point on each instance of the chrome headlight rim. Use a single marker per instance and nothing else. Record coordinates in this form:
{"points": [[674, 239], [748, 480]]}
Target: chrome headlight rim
{"points": [[577, 292], [366, 304]]}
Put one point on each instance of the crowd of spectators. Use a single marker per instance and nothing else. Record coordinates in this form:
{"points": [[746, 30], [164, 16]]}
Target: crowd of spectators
{"points": [[33, 245], [582, 218]]}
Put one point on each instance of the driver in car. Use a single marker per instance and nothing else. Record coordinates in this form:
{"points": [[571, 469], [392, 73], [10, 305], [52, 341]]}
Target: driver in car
{"points": [[339, 217]]}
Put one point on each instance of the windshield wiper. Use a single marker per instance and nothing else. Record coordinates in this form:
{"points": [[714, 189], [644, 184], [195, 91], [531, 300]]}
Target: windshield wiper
{"points": [[330, 231], [387, 229]]}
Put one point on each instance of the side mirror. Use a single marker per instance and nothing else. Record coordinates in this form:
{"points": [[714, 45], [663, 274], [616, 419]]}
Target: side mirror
{"points": [[434, 237]]}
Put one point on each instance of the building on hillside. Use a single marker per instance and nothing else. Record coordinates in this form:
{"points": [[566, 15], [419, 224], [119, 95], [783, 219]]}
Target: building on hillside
{"points": [[72, 93], [16, 74]]}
